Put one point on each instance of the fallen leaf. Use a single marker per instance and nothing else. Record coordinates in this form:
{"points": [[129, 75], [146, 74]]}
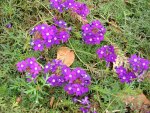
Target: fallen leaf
{"points": [[139, 102], [66, 55], [51, 101], [18, 99], [37, 35], [121, 58], [112, 23], [78, 17]]}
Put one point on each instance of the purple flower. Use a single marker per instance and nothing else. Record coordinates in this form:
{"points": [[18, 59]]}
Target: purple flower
{"points": [[107, 53], [30, 61], [78, 82], [62, 5], [31, 77], [47, 67], [60, 23], [55, 80], [121, 70], [65, 70], [49, 35], [57, 4], [9, 25], [56, 65], [64, 36], [69, 89], [57, 70], [49, 41], [68, 4], [31, 67], [138, 64], [35, 68], [84, 110], [93, 33], [85, 101], [75, 100], [22, 66], [38, 45], [124, 76], [52, 80], [81, 9]]}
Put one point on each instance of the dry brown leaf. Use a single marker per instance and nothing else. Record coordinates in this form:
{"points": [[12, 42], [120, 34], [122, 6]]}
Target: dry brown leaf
{"points": [[37, 35], [114, 25], [51, 101], [138, 102], [121, 58], [66, 55], [18, 99], [78, 17]]}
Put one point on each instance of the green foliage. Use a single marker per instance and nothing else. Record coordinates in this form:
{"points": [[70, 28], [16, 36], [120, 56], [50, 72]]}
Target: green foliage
{"points": [[128, 27]]}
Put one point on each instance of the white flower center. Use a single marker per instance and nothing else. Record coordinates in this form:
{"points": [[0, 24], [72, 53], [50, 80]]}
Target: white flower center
{"points": [[143, 64], [86, 28], [78, 89], [135, 60], [84, 34], [102, 52], [22, 65], [49, 40], [70, 76], [124, 78], [39, 45], [69, 88], [31, 62], [55, 38], [47, 34], [46, 66], [90, 39], [78, 71], [42, 27], [35, 68], [53, 80], [60, 22]]}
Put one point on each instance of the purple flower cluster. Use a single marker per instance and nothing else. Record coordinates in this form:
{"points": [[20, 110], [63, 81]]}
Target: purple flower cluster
{"points": [[77, 7], [85, 105], [138, 64], [49, 35], [55, 68], [78, 82], [81, 9], [107, 52], [124, 75], [93, 33], [29, 65]]}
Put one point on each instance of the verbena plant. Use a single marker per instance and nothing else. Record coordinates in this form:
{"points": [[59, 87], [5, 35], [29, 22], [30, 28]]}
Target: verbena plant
{"points": [[127, 30]]}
